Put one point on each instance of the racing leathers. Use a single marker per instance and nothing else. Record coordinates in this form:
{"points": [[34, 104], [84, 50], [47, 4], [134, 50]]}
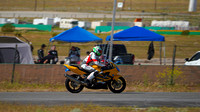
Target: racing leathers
{"points": [[91, 59]]}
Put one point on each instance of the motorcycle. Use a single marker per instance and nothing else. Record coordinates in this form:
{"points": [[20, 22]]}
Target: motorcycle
{"points": [[108, 78]]}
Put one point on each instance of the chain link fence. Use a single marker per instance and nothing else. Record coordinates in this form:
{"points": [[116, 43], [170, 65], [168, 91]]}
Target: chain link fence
{"points": [[139, 51]]}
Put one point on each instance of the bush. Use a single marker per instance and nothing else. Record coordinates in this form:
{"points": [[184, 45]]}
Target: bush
{"points": [[54, 34], [8, 28], [185, 32], [166, 77]]}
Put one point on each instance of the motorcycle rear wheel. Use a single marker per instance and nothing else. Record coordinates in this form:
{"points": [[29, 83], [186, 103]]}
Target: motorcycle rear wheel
{"points": [[72, 86], [117, 86]]}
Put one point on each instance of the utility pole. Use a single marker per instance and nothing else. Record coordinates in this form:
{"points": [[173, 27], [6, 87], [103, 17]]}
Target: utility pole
{"points": [[155, 5], [112, 31], [192, 6]]}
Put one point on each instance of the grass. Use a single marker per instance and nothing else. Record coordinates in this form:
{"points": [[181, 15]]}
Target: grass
{"points": [[131, 87], [4, 107], [157, 87], [29, 87], [186, 45], [96, 5]]}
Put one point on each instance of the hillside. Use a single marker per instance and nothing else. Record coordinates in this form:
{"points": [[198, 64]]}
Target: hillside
{"points": [[168, 6]]}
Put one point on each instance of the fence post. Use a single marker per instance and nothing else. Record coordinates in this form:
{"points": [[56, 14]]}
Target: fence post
{"points": [[173, 62], [35, 8], [160, 53], [13, 71]]}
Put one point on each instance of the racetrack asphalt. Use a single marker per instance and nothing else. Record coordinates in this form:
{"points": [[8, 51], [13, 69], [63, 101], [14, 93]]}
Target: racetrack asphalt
{"points": [[138, 99], [52, 14]]}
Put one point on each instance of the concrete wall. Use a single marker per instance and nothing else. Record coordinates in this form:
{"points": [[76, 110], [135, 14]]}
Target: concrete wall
{"points": [[55, 73]]}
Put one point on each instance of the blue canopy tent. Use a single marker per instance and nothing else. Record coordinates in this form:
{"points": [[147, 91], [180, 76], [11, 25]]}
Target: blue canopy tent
{"points": [[76, 34], [138, 34]]}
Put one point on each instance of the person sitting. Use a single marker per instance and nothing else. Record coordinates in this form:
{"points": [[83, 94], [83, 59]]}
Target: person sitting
{"points": [[92, 59], [74, 55], [47, 59], [41, 52], [54, 53]]}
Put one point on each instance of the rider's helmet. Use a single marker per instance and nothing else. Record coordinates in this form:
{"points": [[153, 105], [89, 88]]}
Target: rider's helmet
{"points": [[97, 50]]}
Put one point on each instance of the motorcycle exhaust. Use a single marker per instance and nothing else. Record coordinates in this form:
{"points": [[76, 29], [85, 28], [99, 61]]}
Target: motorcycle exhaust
{"points": [[74, 80]]}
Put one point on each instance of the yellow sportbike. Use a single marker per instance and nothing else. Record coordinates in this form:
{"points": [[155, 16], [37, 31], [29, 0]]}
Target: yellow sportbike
{"points": [[108, 78]]}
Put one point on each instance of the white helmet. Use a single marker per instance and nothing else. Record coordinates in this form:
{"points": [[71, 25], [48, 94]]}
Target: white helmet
{"points": [[97, 50]]}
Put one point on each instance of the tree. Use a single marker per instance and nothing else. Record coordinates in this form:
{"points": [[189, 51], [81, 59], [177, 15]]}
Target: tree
{"points": [[8, 27]]}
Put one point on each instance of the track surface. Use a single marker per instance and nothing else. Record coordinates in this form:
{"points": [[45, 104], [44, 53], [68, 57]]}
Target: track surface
{"points": [[139, 99]]}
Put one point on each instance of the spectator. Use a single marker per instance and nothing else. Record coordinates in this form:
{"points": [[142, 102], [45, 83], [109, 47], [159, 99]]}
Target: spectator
{"points": [[74, 55], [49, 59], [41, 52], [54, 53]]}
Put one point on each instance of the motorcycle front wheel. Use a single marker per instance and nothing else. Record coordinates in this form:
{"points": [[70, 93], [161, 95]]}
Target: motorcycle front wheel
{"points": [[117, 86], [73, 87]]}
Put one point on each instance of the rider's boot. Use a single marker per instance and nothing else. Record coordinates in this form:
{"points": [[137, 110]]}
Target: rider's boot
{"points": [[92, 75], [88, 82]]}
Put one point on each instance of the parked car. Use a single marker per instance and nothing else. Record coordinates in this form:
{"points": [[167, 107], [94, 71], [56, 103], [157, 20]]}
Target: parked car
{"points": [[194, 60], [119, 54]]}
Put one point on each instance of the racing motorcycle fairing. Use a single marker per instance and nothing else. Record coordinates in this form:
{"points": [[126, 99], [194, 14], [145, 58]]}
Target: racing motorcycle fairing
{"points": [[76, 69], [108, 78]]}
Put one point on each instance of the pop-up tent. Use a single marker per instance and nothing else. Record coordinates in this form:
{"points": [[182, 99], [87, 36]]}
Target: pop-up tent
{"points": [[76, 34], [10, 53], [138, 34]]}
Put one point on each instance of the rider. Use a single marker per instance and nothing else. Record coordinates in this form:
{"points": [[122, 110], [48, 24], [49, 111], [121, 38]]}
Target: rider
{"points": [[92, 59]]}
